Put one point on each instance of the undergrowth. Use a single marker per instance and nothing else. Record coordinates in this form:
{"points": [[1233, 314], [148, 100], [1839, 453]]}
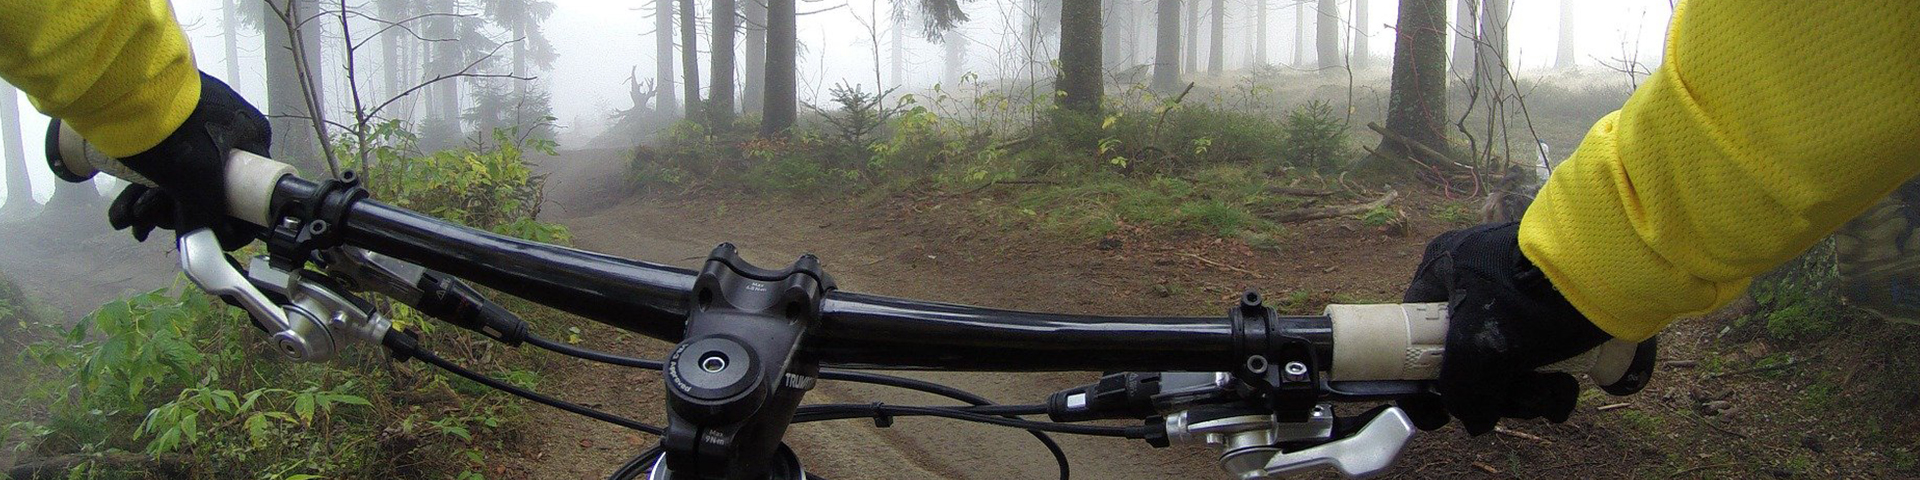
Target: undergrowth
{"points": [[174, 381], [1151, 162]]}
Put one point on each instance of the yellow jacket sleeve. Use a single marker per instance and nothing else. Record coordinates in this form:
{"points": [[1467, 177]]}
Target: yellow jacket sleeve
{"points": [[1767, 126], [119, 71]]}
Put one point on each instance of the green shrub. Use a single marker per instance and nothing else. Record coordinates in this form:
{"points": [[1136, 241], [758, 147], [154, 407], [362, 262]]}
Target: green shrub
{"points": [[1454, 213], [489, 186], [1800, 299], [1316, 138], [160, 373]]}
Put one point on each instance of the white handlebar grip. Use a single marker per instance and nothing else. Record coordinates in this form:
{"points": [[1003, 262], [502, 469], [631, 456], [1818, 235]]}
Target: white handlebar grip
{"points": [[250, 178], [1406, 341]]}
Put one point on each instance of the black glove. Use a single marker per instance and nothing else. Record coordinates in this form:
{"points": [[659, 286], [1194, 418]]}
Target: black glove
{"points": [[189, 166], [1506, 320]]}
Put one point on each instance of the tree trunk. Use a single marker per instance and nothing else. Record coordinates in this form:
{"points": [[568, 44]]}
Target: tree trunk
{"points": [[1327, 35], [519, 63], [690, 58], [1466, 25], [725, 24], [897, 49], [1217, 51], [390, 69], [1416, 105], [782, 89], [1080, 85], [1166, 47], [669, 100], [955, 45], [754, 80], [229, 24], [1260, 33], [294, 140], [1299, 32], [1192, 56], [19, 188], [443, 58], [1113, 34], [1490, 59], [1360, 28], [1563, 58]]}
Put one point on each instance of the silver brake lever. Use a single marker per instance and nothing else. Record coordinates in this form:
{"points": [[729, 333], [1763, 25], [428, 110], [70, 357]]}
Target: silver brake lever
{"points": [[1366, 453], [207, 266], [314, 322]]}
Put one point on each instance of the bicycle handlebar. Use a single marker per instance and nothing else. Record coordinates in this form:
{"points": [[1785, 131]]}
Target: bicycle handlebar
{"points": [[1387, 342], [1350, 353]]}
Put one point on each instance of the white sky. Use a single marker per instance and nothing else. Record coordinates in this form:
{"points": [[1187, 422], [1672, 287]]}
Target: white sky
{"points": [[599, 41]]}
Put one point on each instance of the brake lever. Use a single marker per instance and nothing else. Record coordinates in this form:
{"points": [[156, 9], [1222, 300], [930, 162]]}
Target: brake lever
{"points": [[209, 267], [1256, 445], [318, 316], [1366, 453]]}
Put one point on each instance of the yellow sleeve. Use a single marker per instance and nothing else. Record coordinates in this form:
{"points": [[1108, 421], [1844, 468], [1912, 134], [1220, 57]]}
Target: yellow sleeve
{"points": [[119, 71], [1766, 128]]}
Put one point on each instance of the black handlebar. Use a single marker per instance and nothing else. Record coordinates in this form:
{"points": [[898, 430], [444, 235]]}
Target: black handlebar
{"points": [[856, 330]]}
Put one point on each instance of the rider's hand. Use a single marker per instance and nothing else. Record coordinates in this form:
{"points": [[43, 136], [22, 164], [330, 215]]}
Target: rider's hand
{"points": [[189, 166], [1506, 321]]}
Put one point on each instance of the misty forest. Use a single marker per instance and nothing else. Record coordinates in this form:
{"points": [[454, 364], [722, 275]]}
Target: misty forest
{"points": [[1122, 157]]}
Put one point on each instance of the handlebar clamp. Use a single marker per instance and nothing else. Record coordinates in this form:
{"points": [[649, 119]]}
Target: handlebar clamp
{"points": [[310, 224], [1281, 365]]}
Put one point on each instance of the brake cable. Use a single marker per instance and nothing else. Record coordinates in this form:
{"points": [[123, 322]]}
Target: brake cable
{"points": [[406, 346], [1053, 447]]}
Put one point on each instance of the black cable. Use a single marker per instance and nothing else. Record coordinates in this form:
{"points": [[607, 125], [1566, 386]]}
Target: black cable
{"points": [[823, 412], [638, 465], [1059, 454], [435, 360], [1053, 448], [594, 355], [1007, 410]]}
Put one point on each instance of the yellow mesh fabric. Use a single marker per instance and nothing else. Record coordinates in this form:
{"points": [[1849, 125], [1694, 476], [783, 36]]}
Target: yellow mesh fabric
{"points": [[1767, 127], [118, 71]]}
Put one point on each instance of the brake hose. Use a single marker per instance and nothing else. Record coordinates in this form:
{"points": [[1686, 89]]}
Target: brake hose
{"points": [[1053, 447], [406, 346], [823, 412]]}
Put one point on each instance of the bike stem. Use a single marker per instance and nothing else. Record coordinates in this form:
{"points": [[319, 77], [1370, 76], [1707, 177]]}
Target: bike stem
{"points": [[735, 380]]}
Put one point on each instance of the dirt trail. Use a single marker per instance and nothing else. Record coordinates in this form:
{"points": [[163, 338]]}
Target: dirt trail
{"points": [[929, 255]]}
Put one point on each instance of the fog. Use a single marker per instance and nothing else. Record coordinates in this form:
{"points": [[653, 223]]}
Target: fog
{"points": [[599, 42]]}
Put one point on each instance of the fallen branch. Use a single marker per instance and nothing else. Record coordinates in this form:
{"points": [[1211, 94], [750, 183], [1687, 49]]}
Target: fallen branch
{"points": [[1683, 473], [1768, 368], [1001, 182], [1300, 192], [1410, 143], [1520, 435], [1316, 213], [1222, 265], [1615, 406], [1013, 142], [1718, 428]]}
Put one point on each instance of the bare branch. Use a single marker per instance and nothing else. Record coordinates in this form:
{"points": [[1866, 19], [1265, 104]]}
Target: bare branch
{"points": [[464, 72]]}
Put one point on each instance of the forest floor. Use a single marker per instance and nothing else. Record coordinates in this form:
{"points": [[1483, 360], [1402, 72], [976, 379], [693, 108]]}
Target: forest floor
{"points": [[1709, 413]]}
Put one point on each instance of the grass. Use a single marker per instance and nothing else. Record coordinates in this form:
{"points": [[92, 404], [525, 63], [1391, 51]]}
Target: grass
{"points": [[1646, 424]]}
